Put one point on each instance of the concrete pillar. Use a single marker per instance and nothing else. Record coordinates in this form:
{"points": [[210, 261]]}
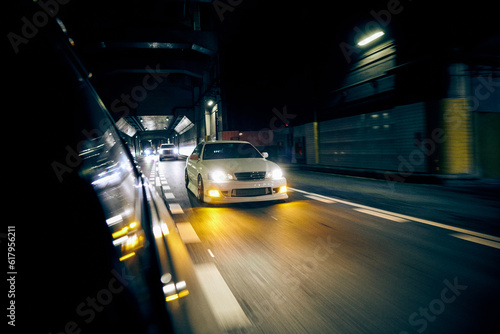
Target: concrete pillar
{"points": [[316, 143], [207, 125], [213, 120], [456, 122]]}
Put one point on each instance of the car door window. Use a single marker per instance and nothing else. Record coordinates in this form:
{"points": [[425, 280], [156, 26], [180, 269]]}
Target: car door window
{"points": [[197, 150]]}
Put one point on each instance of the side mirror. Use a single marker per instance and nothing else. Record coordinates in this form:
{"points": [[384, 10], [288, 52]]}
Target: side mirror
{"points": [[194, 157], [265, 155]]}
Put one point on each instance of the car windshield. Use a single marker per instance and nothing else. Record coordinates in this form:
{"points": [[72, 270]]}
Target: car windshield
{"points": [[167, 146], [230, 151]]}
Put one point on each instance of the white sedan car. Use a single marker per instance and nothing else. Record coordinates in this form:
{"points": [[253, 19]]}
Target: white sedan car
{"points": [[231, 172]]}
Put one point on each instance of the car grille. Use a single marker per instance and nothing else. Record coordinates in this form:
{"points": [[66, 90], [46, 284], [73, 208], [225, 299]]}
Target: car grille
{"points": [[250, 176], [249, 192]]}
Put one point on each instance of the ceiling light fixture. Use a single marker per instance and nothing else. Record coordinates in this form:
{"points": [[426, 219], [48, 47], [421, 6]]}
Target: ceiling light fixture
{"points": [[371, 38]]}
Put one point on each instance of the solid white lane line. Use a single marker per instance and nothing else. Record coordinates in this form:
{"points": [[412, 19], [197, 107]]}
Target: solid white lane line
{"points": [[313, 194], [457, 229], [477, 240], [157, 180], [187, 232], [175, 208], [224, 305], [419, 220], [382, 215], [324, 200]]}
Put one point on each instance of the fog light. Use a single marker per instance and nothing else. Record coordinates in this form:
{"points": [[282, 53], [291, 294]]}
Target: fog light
{"points": [[282, 189], [213, 193]]}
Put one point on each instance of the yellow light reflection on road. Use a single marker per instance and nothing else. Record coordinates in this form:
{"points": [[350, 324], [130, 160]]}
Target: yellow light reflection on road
{"points": [[120, 233], [128, 256], [181, 294], [172, 297], [124, 230]]}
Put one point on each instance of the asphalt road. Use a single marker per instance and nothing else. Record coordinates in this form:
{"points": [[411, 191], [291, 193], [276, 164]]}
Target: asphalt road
{"points": [[343, 255]]}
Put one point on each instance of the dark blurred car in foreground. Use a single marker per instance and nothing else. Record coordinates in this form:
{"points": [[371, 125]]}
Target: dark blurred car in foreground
{"points": [[105, 254]]}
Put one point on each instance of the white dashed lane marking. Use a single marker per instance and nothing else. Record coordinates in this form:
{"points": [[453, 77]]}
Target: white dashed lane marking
{"points": [[226, 309], [324, 200], [382, 215], [187, 232], [175, 208]]}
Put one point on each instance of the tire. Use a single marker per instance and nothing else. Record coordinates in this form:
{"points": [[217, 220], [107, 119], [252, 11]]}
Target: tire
{"points": [[186, 178], [200, 194]]}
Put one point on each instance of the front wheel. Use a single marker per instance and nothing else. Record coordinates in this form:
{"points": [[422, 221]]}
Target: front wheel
{"points": [[201, 189]]}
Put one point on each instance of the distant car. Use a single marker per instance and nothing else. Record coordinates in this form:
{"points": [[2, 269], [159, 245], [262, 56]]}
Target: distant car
{"points": [[233, 171], [168, 151]]}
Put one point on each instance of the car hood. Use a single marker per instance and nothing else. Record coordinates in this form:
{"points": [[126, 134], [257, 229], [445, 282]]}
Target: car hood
{"points": [[240, 165]]}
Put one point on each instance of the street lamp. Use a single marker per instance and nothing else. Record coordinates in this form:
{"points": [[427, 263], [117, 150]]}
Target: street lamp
{"points": [[371, 38]]}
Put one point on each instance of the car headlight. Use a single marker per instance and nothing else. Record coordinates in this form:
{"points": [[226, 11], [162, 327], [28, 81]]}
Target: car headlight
{"points": [[275, 174], [219, 176]]}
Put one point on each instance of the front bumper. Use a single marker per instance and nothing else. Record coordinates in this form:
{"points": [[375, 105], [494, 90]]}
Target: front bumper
{"points": [[169, 155], [245, 191]]}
